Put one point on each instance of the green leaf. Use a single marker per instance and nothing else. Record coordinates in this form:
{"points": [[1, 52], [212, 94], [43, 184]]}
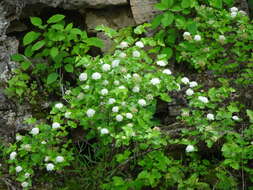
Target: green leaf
{"points": [[52, 77], [36, 21], [186, 3], [17, 57], [192, 27], [250, 114], [216, 3], [69, 68], [38, 45], [156, 21], [95, 42], [54, 52], [167, 19], [55, 18], [165, 4], [168, 51], [165, 97], [25, 65], [30, 37]]}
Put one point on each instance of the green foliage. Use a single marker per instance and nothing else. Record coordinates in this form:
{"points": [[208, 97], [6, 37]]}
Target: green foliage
{"points": [[112, 103], [50, 54]]}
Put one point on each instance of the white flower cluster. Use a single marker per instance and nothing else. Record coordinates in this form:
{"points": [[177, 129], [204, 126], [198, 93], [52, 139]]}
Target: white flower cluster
{"points": [[187, 36], [190, 148]]}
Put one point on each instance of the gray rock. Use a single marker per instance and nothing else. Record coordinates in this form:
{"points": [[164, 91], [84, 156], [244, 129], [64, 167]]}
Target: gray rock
{"points": [[78, 4], [115, 18]]}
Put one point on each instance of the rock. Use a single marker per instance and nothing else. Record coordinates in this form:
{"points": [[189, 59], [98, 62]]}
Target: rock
{"points": [[108, 42], [78, 4], [115, 18], [143, 11]]}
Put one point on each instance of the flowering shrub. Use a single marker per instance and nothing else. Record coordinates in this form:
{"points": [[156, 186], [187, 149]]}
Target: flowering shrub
{"points": [[113, 104]]}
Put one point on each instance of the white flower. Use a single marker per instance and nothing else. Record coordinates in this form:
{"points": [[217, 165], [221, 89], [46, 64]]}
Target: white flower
{"points": [[236, 118], [135, 75], [67, 114], [19, 137], [136, 89], [222, 38], [105, 82], [59, 159], [233, 14], [90, 112], [43, 142], [46, 158], [197, 37], [189, 92], [50, 166], [116, 82], [106, 67], [13, 155], [123, 45], [234, 9], [96, 76], [186, 35], [122, 87], [104, 131], [115, 63], [83, 77], [139, 44], [56, 125], [27, 147], [115, 109], [203, 99], [119, 118], [111, 101], [68, 92], [24, 184], [189, 148], [18, 169], [122, 55], [185, 80], [128, 76], [104, 91], [129, 115], [136, 54], [193, 84], [161, 63], [27, 175], [35, 131], [210, 116], [142, 102], [150, 97], [155, 81], [59, 105], [123, 103], [167, 72]]}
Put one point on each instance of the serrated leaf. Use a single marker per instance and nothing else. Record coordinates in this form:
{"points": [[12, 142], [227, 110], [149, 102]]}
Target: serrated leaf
{"points": [[192, 27], [186, 3], [250, 114], [54, 52], [52, 77], [17, 57], [165, 97], [38, 45], [95, 42], [168, 51], [167, 19], [216, 3], [55, 18], [30, 37], [25, 65], [69, 68], [36, 21], [156, 21]]}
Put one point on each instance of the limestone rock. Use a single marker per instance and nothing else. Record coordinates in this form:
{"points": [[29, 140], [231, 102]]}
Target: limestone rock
{"points": [[78, 4], [143, 11]]}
